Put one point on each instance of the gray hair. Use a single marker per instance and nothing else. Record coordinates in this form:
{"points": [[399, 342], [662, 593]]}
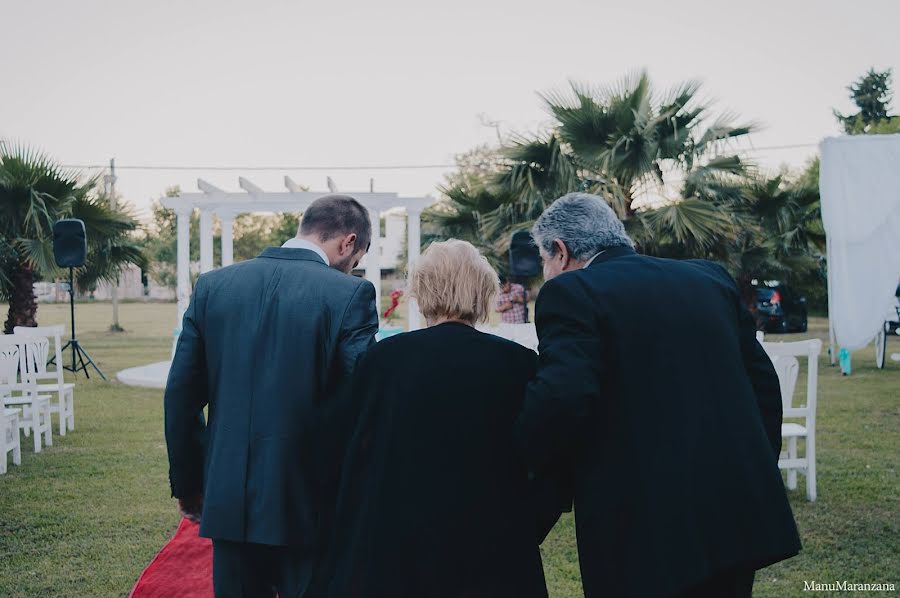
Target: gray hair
{"points": [[584, 222]]}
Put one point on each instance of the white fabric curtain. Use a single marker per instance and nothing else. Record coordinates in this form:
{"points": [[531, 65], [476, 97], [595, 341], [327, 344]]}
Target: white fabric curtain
{"points": [[859, 183]]}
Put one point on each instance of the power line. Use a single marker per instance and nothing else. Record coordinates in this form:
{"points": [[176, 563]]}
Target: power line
{"points": [[281, 168], [349, 167], [782, 147]]}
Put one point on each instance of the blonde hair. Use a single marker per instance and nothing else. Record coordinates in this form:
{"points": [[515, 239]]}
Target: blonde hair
{"points": [[452, 280]]}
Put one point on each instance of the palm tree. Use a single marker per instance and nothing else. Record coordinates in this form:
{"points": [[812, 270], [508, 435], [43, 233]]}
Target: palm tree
{"points": [[781, 235], [35, 192], [624, 143], [665, 163]]}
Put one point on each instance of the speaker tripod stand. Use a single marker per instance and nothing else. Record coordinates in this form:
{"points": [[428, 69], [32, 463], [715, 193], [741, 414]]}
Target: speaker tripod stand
{"points": [[81, 359]]}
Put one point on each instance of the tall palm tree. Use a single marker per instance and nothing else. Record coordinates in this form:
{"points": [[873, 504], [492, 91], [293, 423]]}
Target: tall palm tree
{"points": [[35, 192], [637, 143], [627, 143], [624, 143]]}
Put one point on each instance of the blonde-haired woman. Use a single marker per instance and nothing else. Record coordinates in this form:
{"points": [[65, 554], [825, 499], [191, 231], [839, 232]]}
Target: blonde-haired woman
{"points": [[434, 502]]}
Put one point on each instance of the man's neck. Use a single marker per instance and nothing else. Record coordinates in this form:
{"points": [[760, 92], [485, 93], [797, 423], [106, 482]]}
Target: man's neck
{"points": [[315, 245], [314, 240]]}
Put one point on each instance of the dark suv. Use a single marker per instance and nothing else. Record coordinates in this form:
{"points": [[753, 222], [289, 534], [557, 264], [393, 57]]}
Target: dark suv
{"points": [[780, 309]]}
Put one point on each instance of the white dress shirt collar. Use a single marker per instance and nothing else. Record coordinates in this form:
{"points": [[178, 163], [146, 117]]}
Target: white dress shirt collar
{"points": [[595, 256], [296, 243]]}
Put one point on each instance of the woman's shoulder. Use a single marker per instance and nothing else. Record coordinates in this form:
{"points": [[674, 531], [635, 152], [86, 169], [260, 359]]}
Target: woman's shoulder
{"points": [[412, 341], [510, 350]]}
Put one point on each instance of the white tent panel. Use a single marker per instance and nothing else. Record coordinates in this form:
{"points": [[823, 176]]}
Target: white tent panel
{"points": [[859, 183]]}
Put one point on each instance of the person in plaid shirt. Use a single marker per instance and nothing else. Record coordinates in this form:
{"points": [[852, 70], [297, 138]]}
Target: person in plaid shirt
{"points": [[511, 302]]}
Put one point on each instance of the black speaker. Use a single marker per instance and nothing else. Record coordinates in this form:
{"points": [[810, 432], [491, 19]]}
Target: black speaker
{"points": [[69, 243], [524, 257]]}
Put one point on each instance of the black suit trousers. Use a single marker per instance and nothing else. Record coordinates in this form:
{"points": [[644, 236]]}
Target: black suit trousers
{"points": [[734, 584], [244, 570]]}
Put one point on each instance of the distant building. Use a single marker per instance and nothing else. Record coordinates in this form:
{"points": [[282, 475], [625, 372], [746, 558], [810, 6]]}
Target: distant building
{"points": [[130, 287]]}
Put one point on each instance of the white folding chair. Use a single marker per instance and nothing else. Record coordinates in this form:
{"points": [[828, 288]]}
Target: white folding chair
{"points": [[19, 389], [37, 353], [784, 357]]}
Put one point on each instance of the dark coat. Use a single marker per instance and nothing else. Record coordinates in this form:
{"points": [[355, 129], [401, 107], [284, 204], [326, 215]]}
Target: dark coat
{"points": [[266, 344], [651, 382], [434, 500]]}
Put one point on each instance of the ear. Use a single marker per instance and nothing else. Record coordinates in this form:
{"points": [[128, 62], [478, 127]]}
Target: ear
{"points": [[562, 252], [348, 245]]}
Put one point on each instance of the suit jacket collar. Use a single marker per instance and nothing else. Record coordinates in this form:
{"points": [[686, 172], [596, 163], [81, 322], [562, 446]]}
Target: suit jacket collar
{"points": [[611, 254], [288, 253]]}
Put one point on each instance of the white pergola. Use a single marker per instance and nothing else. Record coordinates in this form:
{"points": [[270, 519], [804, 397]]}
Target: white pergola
{"points": [[212, 201]]}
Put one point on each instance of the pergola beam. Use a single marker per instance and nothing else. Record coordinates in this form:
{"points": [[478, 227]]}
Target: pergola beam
{"points": [[250, 188], [292, 186], [208, 188], [212, 201]]}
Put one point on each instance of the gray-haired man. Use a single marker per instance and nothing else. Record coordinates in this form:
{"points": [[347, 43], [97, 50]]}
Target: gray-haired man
{"points": [[653, 391]]}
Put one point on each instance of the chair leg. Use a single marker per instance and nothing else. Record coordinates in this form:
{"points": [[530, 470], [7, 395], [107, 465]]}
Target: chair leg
{"points": [[792, 454], [48, 425], [70, 403], [17, 450], [811, 469], [3, 461], [36, 428], [62, 413]]}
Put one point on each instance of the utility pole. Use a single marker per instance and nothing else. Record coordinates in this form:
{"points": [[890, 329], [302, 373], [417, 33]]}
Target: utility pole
{"points": [[113, 204]]}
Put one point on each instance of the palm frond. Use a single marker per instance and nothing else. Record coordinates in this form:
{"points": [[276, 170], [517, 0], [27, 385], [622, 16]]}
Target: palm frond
{"points": [[38, 254], [692, 223]]}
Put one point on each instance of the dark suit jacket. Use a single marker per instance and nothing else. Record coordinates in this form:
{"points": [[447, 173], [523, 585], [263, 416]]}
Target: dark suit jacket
{"points": [[266, 345], [652, 383], [434, 500]]}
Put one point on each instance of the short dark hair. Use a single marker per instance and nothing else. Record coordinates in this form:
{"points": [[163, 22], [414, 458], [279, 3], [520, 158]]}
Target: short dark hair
{"points": [[333, 215]]}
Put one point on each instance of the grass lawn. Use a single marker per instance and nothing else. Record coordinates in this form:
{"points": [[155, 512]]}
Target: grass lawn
{"points": [[84, 517]]}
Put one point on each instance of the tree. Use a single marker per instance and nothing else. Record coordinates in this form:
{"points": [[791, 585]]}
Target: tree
{"points": [[35, 192], [872, 95], [665, 163], [252, 233], [626, 143], [466, 196]]}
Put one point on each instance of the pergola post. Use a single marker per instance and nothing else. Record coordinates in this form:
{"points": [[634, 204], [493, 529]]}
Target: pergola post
{"points": [[183, 264], [413, 245], [206, 241], [373, 257], [227, 219]]}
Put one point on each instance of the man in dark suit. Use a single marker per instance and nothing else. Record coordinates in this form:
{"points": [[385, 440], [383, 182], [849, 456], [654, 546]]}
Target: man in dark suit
{"points": [[653, 389], [267, 345]]}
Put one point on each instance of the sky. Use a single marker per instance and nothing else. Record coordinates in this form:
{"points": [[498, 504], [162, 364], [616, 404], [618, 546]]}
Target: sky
{"points": [[327, 84]]}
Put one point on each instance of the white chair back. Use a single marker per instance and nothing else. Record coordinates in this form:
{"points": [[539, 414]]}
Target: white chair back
{"points": [[14, 378], [37, 352], [35, 355], [9, 365], [788, 369], [784, 358]]}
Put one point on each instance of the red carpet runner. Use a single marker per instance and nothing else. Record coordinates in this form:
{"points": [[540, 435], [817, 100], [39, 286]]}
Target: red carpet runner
{"points": [[182, 568]]}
